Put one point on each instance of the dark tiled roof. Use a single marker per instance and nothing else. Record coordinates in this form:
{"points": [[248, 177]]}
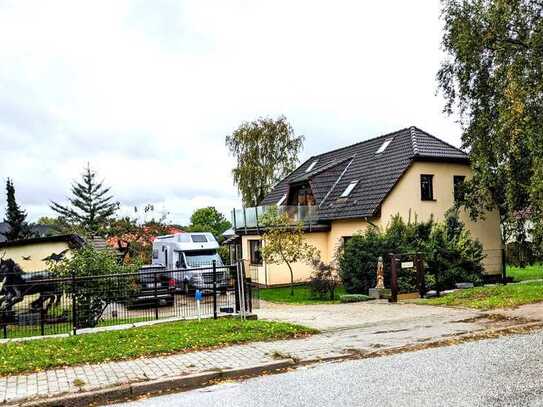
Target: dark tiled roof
{"points": [[73, 241], [38, 230], [376, 173]]}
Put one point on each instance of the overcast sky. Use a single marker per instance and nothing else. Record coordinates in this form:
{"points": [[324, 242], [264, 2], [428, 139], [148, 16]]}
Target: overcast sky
{"points": [[146, 91]]}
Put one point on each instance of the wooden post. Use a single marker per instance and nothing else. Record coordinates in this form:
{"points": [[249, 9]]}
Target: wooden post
{"points": [[393, 279], [420, 275], [504, 267]]}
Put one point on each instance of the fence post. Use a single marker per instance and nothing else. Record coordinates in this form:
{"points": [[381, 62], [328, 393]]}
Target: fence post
{"points": [[42, 321], [214, 289], [236, 287], [156, 293], [249, 294], [393, 279], [242, 300], [74, 304]]}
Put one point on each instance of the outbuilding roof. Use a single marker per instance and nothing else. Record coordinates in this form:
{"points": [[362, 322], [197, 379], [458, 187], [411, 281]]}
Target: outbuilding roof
{"points": [[374, 172]]}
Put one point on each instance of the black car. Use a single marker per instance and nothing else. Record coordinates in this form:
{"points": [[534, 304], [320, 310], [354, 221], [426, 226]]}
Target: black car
{"points": [[155, 287]]}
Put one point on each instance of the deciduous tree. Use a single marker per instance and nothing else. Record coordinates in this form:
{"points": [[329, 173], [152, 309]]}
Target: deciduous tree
{"points": [[492, 77], [266, 150], [209, 220], [284, 243]]}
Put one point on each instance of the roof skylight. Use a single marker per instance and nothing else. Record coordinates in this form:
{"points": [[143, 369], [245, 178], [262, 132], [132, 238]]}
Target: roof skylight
{"points": [[282, 200], [311, 166], [349, 189], [384, 145]]}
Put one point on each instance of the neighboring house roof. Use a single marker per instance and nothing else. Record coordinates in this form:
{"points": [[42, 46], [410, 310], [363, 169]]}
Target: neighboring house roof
{"points": [[74, 241], [37, 229], [97, 242], [376, 173]]}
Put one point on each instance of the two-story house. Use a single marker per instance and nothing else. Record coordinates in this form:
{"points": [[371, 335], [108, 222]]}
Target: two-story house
{"points": [[340, 192]]}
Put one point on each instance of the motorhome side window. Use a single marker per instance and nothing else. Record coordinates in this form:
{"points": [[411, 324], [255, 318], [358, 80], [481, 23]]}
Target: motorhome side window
{"points": [[255, 251], [155, 253]]}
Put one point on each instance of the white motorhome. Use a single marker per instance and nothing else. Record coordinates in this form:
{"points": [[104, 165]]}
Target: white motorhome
{"points": [[189, 257]]}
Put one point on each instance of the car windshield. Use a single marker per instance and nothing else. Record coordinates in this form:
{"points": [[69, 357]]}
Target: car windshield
{"points": [[202, 258]]}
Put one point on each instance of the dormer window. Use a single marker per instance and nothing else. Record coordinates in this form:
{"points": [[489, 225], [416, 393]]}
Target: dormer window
{"points": [[301, 195], [384, 145], [311, 166], [349, 189], [282, 200]]}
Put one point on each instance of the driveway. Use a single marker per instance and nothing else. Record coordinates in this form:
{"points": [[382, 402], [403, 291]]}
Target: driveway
{"points": [[327, 317]]}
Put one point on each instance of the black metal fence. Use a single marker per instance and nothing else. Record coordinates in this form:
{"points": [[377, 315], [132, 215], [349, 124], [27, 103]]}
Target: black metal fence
{"points": [[31, 305]]}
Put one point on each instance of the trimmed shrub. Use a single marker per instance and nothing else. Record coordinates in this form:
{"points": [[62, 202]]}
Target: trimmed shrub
{"points": [[358, 260], [354, 298], [449, 252]]}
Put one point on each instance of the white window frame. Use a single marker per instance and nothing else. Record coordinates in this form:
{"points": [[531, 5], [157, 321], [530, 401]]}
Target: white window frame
{"points": [[352, 185], [282, 200]]}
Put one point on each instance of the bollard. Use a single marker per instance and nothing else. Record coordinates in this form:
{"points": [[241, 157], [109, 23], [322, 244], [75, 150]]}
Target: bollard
{"points": [[198, 297]]}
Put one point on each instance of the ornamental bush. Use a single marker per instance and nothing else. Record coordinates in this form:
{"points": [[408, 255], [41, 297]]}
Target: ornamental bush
{"points": [[100, 280], [324, 280], [450, 254]]}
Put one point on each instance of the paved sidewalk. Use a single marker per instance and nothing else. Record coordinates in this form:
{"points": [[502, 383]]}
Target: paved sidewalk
{"points": [[335, 342]]}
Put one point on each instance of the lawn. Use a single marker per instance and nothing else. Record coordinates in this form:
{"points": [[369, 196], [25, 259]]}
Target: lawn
{"points": [[491, 297], [533, 272], [302, 295], [40, 354]]}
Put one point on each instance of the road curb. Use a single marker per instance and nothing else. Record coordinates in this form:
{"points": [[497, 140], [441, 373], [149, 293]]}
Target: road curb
{"points": [[125, 391], [187, 382]]}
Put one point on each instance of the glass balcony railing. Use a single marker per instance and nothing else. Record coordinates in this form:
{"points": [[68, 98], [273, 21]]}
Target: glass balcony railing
{"points": [[252, 217]]}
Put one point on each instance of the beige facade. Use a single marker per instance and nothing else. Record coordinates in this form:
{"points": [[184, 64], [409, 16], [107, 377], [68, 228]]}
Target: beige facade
{"points": [[31, 256], [405, 200]]}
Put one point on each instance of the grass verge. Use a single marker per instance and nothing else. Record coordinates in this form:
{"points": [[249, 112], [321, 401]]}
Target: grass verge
{"points": [[533, 272], [491, 297], [36, 355], [302, 295]]}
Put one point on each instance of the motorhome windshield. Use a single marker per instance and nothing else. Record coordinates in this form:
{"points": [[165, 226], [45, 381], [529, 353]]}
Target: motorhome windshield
{"points": [[202, 258]]}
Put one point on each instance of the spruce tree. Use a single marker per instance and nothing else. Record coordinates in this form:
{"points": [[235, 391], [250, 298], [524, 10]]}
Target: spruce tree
{"points": [[91, 205], [15, 216]]}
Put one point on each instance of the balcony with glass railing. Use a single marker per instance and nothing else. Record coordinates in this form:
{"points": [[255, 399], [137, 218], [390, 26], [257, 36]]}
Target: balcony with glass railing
{"points": [[251, 218]]}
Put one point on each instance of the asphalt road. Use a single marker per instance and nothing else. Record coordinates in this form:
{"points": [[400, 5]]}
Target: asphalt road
{"points": [[502, 372]]}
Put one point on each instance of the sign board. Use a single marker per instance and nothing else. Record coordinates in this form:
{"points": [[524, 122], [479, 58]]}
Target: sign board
{"points": [[407, 264], [198, 295]]}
